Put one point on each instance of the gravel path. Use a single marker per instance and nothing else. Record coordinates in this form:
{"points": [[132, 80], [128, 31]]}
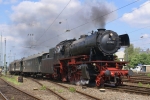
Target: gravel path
{"points": [[64, 92], [12, 93], [111, 95], [35, 89], [29, 86]]}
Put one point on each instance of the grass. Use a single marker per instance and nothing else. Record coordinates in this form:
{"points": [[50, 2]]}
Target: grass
{"points": [[12, 98], [60, 91], [13, 79], [148, 74], [72, 89], [140, 84], [43, 87], [54, 89], [148, 85]]}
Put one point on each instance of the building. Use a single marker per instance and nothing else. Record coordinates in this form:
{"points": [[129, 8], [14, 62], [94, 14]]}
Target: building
{"points": [[120, 55], [145, 68], [141, 68]]}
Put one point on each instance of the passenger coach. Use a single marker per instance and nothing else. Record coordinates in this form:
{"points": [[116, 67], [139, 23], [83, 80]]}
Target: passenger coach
{"points": [[32, 64]]}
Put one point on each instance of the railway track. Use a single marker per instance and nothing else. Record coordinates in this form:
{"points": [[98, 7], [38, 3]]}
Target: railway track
{"points": [[126, 88], [141, 74], [137, 79], [131, 89], [77, 91], [143, 81], [2, 96], [12, 93], [50, 90]]}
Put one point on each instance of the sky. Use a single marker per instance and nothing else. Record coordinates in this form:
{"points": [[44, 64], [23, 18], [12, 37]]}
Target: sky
{"points": [[34, 26]]}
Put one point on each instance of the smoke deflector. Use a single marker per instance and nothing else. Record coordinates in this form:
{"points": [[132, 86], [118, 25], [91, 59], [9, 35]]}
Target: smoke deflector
{"points": [[124, 40]]}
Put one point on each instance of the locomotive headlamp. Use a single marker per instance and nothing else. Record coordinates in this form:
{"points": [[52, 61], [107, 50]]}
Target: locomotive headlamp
{"points": [[111, 34], [94, 64]]}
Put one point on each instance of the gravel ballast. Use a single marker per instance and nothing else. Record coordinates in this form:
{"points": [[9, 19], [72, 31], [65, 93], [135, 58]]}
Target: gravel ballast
{"points": [[34, 88]]}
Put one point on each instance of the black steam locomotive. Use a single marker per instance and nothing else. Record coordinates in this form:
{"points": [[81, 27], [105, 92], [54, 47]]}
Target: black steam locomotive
{"points": [[83, 61]]}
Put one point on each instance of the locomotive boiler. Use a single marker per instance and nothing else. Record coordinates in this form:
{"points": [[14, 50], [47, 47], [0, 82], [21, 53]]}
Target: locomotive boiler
{"points": [[104, 42], [89, 59]]}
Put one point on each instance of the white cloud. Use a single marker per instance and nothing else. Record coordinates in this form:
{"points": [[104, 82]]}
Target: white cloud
{"points": [[13, 39], [36, 18], [10, 35], [145, 36], [139, 16]]}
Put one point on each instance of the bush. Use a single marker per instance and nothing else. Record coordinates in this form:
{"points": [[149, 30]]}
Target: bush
{"points": [[140, 84], [43, 87], [148, 74], [60, 91], [72, 89], [148, 85]]}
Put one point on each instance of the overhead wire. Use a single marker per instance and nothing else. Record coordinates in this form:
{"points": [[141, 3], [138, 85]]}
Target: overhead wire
{"points": [[54, 20], [105, 14], [128, 12], [142, 27], [86, 22], [139, 29], [145, 44], [92, 20], [140, 39]]}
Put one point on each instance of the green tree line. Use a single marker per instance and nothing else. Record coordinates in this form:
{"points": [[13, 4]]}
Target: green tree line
{"points": [[135, 57]]}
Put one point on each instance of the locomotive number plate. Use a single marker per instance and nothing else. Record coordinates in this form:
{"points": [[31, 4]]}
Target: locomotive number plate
{"points": [[110, 42]]}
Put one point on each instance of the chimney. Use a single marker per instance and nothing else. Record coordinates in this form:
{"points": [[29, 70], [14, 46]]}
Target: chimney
{"points": [[101, 30]]}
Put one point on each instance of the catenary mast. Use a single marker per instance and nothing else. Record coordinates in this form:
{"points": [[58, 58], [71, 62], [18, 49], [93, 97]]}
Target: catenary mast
{"points": [[1, 52], [5, 59]]}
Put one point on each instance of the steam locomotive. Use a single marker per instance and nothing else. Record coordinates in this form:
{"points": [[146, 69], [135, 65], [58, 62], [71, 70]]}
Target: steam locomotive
{"points": [[90, 59]]}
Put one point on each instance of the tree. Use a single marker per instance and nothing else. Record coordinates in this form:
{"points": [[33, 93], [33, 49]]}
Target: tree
{"points": [[135, 57], [128, 51], [144, 59], [132, 55], [134, 60]]}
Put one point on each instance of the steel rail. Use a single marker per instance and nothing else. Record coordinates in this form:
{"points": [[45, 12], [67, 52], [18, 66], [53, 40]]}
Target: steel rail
{"points": [[87, 95], [21, 90], [61, 97], [144, 80], [90, 96], [3, 96], [132, 89], [137, 81]]}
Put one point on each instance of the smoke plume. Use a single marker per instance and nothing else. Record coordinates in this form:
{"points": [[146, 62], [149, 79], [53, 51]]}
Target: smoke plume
{"points": [[99, 12]]}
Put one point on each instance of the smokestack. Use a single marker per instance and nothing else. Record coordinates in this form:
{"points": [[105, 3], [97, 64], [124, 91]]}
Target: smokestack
{"points": [[101, 30]]}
